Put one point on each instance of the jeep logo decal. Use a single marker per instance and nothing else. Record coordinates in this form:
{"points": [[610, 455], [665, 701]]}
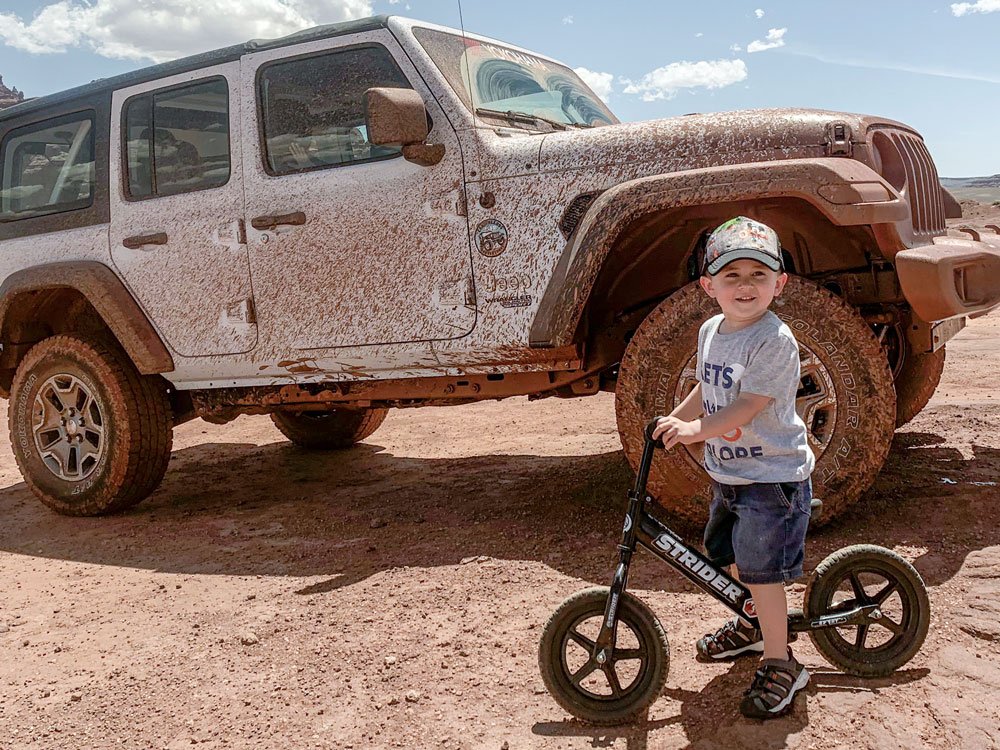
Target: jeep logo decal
{"points": [[491, 238]]}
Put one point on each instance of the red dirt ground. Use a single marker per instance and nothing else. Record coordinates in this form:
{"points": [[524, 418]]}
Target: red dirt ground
{"points": [[393, 595]]}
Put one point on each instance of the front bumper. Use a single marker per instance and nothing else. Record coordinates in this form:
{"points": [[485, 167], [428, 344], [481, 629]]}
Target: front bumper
{"points": [[951, 278]]}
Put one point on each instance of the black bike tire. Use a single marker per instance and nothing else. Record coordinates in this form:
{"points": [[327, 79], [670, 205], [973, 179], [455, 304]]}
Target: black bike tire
{"points": [[825, 580], [639, 697]]}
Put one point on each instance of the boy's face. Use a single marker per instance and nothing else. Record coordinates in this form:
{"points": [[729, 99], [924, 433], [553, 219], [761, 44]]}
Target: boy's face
{"points": [[744, 289]]}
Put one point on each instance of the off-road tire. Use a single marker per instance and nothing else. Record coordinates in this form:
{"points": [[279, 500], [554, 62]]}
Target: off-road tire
{"points": [[638, 695], [835, 643], [328, 430], [855, 447], [137, 423], [916, 382]]}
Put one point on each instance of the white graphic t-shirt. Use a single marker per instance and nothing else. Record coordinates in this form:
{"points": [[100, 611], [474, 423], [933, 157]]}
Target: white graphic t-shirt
{"points": [[762, 358]]}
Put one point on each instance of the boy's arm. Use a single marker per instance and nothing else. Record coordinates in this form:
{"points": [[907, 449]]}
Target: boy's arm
{"points": [[740, 412], [690, 407], [675, 430]]}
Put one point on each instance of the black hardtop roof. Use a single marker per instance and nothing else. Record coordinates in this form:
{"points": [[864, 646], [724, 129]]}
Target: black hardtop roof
{"points": [[186, 64]]}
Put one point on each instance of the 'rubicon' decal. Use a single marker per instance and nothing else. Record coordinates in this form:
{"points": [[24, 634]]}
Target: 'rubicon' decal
{"points": [[491, 238]]}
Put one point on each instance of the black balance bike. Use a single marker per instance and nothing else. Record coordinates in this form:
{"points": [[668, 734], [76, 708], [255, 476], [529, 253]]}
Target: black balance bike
{"points": [[604, 656]]}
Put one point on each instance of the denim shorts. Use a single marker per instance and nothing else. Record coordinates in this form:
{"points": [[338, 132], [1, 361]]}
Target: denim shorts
{"points": [[760, 527]]}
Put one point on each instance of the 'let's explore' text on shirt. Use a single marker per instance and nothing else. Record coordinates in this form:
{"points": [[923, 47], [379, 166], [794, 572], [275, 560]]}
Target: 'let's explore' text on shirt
{"points": [[763, 359]]}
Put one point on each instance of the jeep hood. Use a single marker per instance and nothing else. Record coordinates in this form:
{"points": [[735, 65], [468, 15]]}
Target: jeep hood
{"points": [[702, 140]]}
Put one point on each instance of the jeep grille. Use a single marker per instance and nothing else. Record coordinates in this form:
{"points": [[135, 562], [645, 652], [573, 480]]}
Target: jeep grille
{"points": [[922, 189]]}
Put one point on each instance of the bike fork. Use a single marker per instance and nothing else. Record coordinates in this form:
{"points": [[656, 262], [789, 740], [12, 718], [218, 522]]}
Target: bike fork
{"points": [[637, 498]]}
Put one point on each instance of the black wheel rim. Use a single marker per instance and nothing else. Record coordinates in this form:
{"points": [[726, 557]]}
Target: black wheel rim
{"points": [[621, 676], [879, 637]]}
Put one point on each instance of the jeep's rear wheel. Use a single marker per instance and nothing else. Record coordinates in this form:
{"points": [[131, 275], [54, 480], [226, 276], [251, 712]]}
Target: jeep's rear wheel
{"points": [[845, 395], [327, 430], [89, 433]]}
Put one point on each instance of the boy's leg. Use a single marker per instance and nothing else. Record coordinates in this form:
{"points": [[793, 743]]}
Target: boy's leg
{"points": [[769, 539], [736, 637], [772, 614]]}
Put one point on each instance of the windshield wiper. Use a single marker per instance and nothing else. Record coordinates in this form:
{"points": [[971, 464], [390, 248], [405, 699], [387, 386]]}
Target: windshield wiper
{"points": [[526, 117]]}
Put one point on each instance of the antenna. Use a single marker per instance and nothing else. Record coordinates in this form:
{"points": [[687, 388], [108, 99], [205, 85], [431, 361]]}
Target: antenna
{"points": [[468, 73]]}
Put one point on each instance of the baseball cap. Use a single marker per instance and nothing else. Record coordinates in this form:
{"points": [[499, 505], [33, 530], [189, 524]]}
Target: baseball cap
{"points": [[742, 238]]}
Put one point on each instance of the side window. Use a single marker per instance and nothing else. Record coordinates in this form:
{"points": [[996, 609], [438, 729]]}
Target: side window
{"points": [[312, 108], [177, 141], [48, 168]]}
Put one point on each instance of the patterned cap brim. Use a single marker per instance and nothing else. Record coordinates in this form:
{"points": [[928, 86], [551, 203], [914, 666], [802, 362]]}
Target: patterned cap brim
{"points": [[743, 253]]}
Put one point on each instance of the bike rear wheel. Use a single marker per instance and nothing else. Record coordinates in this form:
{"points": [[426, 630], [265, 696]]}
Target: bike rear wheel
{"points": [[865, 574], [622, 688]]}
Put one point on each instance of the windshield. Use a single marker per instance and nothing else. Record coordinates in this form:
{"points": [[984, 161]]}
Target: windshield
{"points": [[503, 79]]}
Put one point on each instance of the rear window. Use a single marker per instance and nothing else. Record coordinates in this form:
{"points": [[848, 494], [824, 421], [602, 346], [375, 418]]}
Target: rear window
{"points": [[177, 140], [47, 168]]}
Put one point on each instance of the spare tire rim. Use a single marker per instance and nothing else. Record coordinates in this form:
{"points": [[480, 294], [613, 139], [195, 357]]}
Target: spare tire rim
{"points": [[68, 427], [815, 401]]}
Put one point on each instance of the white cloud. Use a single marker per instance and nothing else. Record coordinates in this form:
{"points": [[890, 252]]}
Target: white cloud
{"points": [[600, 83], [981, 6], [759, 12], [665, 82], [916, 69], [699, 35], [567, 20], [736, 48], [167, 29], [775, 38]]}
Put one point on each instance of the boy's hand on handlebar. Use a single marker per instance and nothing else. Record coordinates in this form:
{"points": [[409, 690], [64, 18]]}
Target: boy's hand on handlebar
{"points": [[672, 430]]}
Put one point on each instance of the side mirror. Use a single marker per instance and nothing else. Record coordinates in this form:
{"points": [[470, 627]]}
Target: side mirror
{"points": [[398, 117]]}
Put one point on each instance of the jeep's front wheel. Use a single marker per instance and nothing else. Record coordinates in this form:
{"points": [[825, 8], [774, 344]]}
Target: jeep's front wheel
{"points": [[328, 430], [845, 396], [89, 433]]}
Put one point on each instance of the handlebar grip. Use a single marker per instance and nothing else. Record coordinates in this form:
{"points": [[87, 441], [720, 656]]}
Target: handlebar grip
{"points": [[649, 432]]}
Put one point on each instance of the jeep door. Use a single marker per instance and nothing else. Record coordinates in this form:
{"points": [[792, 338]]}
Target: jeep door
{"points": [[350, 243], [177, 234]]}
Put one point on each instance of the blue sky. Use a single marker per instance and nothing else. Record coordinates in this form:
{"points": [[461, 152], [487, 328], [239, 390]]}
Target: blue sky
{"points": [[924, 62]]}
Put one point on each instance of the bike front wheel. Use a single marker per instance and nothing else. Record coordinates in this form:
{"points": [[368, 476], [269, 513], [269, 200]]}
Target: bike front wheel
{"points": [[622, 687]]}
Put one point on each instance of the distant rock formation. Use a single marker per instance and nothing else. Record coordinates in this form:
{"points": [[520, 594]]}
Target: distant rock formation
{"points": [[9, 97], [993, 181]]}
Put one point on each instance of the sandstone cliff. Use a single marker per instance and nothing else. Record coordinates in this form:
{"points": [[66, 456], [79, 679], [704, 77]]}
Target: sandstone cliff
{"points": [[9, 97]]}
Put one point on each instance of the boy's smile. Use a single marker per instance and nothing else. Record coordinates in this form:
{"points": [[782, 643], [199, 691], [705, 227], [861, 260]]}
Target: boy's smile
{"points": [[744, 290]]}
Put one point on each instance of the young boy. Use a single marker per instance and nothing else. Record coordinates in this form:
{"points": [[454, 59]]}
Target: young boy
{"points": [[756, 452]]}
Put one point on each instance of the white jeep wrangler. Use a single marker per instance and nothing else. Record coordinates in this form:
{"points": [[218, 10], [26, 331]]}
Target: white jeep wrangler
{"points": [[384, 213]]}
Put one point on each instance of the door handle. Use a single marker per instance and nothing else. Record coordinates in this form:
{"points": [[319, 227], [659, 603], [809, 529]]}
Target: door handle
{"points": [[296, 218], [136, 242]]}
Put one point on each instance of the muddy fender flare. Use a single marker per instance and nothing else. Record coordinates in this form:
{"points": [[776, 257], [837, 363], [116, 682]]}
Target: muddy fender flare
{"points": [[107, 294], [847, 192]]}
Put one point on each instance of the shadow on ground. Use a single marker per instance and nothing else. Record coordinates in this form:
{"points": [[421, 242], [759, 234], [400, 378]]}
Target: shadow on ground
{"points": [[239, 509], [719, 699]]}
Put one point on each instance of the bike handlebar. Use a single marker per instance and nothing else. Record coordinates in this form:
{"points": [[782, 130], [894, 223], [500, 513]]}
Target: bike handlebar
{"points": [[649, 432]]}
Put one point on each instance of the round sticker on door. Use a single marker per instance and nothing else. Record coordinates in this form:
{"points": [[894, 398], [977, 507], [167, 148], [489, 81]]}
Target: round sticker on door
{"points": [[491, 238]]}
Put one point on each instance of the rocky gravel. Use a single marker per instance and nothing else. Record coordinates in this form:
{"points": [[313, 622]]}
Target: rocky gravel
{"points": [[393, 595]]}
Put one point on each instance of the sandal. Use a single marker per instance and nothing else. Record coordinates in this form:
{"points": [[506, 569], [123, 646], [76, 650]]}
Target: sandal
{"points": [[733, 639], [774, 686]]}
